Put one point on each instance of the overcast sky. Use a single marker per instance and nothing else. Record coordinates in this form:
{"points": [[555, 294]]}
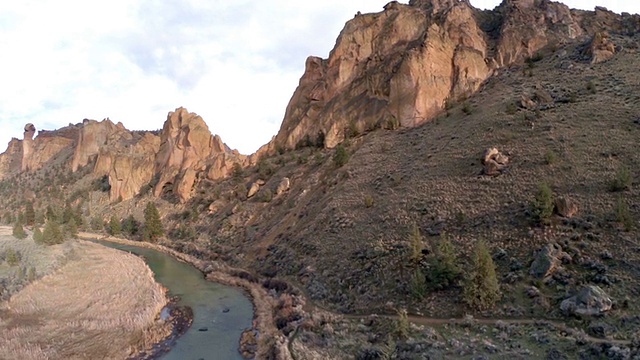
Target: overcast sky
{"points": [[235, 63]]}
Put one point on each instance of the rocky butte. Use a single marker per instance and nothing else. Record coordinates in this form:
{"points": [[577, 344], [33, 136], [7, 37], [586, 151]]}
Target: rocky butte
{"points": [[402, 66], [518, 142]]}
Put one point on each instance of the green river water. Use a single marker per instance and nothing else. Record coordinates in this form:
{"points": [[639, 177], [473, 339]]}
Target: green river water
{"points": [[223, 310]]}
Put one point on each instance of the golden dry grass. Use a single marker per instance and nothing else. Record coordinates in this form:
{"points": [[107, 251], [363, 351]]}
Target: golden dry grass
{"points": [[104, 305]]}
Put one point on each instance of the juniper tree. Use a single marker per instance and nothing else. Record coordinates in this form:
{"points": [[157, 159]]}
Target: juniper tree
{"points": [[114, 228], [481, 290], [152, 224], [52, 234], [29, 214], [18, 231]]}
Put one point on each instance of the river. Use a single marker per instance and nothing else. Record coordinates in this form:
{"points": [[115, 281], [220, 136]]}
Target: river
{"points": [[223, 311]]}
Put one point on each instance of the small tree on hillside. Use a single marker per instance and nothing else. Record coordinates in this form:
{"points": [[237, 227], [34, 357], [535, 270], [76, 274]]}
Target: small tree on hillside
{"points": [[341, 156], [50, 214], [130, 226], [38, 237], [481, 290], [18, 231], [444, 269], [11, 256], [52, 233], [71, 229], [114, 228], [29, 214], [152, 224]]}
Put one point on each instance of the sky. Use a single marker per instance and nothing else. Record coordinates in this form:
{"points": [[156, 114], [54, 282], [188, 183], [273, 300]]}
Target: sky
{"points": [[235, 63]]}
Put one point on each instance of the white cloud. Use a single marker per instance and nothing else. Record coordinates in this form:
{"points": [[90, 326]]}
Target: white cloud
{"points": [[234, 63]]}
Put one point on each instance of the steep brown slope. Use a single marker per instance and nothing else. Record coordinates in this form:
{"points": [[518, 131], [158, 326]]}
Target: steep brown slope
{"points": [[352, 254]]}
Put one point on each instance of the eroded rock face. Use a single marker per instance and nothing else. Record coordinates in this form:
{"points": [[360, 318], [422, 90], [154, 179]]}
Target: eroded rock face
{"points": [[187, 148], [600, 48], [94, 136], [48, 144], [129, 165], [401, 66], [11, 159]]}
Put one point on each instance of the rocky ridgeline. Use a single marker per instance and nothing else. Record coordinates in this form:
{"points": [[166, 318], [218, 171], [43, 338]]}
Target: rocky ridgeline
{"points": [[402, 66], [184, 152], [398, 67]]}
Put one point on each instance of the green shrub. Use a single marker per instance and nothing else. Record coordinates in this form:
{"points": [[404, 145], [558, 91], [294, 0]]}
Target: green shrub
{"points": [[444, 268], [52, 234], [130, 226], [481, 289], [415, 243], [70, 228], [238, 172], [591, 87], [18, 231], [418, 284], [368, 201], [11, 257], [341, 156], [542, 205], [29, 214], [622, 180], [31, 274], [265, 195], [550, 157], [622, 214], [402, 325], [38, 238], [467, 109], [511, 108], [114, 228]]}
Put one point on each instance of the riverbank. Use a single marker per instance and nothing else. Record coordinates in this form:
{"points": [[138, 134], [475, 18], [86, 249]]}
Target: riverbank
{"points": [[72, 312], [264, 340]]}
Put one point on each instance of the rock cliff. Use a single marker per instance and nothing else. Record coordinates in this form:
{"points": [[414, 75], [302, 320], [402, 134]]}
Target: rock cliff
{"points": [[400, 67], [129, 165], [188, 149], [93, 136]]}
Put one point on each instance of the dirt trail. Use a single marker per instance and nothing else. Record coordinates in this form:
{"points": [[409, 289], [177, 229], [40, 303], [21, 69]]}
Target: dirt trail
{"points": [[311, 307]]}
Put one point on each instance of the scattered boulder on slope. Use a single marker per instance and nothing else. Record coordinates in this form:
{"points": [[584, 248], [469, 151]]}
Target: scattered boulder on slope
{"points": [[548, 260], [565, 207], [494, 162], [590, 300], [284, 185], [600, 48]]}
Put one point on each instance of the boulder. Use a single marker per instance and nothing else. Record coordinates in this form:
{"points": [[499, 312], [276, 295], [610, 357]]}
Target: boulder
{"points": [[565, 207], [590, 300], [548, 260], [600, 48], [284, 185], [255, 187], [494, 162]]}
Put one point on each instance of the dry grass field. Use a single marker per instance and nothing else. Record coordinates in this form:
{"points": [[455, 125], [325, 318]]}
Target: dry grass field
{"points": [[102, 304]]}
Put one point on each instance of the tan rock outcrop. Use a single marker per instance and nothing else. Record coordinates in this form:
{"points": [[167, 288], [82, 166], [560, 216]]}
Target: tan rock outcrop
{"points": [[187, 148], [129, 165], [11, 159], [283, 186], [47, 145], [93, 136], [600, 48], [566, 207], [494, 162], [402, 65]]}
